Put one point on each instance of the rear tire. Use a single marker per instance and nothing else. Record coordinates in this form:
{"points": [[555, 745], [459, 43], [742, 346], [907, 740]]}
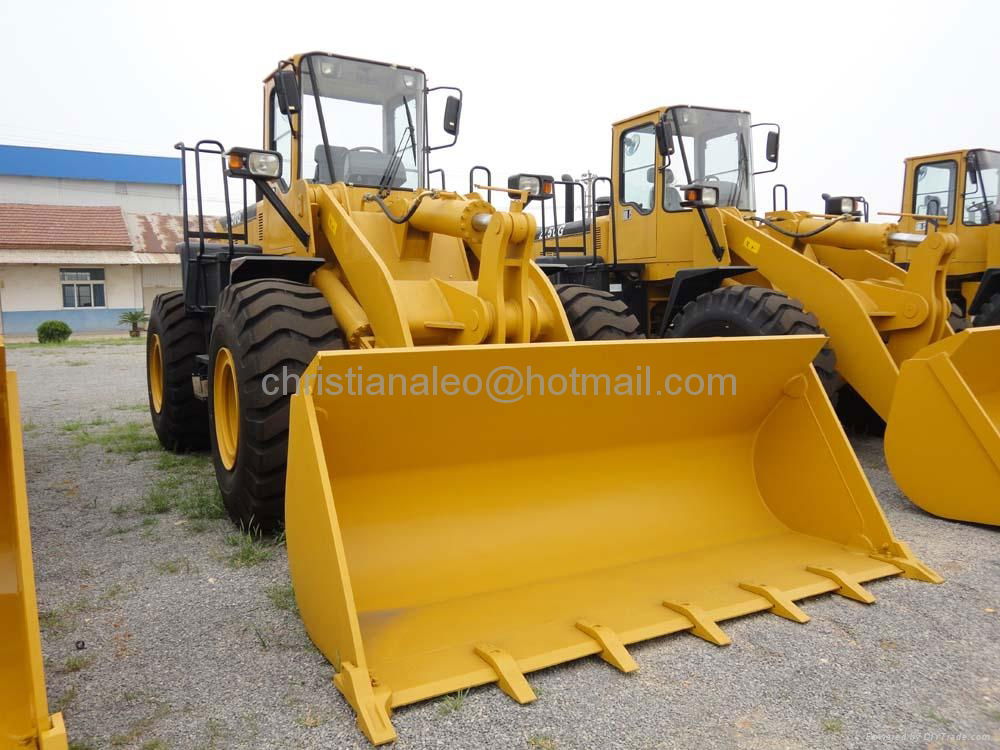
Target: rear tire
{"points": [[268, 326], [746, 310], [989, 313], [181, 422], [595, 315]]}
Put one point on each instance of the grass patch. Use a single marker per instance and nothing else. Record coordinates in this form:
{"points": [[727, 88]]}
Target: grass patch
{"points": [[833, 725], [81, 745], [172, 567], [77, 363], [29, 426], [76, 663], [65, 700], [59, 621], [142, 727], [451, 703], [143, 407], [312, 719], [542, 742], [120, 510], [128, 438], [81, 425], [158, 500], [202, 500], [154, 745], [249, 549], [282, 597], [76, 343], [935, 716]]}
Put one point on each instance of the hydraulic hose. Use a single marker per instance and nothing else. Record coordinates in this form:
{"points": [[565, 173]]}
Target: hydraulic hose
{"points": [[798, 235], [372, 197]]}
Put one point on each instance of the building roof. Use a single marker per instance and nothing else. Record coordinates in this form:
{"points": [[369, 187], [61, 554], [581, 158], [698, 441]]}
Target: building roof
{"points": [[157, 233], [30, 161], [45, 227]]}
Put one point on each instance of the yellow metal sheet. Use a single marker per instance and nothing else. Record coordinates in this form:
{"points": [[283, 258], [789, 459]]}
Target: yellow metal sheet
{"points": [[440, 542], [24, 716], [942, 439]]}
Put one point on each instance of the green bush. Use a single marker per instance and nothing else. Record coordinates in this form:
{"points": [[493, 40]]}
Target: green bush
{"points": [[53, 332]]}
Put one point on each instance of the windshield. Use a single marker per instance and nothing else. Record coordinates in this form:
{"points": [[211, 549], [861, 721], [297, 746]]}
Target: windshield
{"points": [[373, 117], [711, 147], [982, 196]]}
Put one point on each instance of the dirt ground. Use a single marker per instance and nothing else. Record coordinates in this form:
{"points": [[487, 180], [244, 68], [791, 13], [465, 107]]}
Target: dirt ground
{"points": [[164, 627]]}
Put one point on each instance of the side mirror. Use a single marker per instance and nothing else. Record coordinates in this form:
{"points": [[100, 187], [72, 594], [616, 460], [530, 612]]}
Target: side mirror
{"points": [[286, 89], [452, 115], [771, 149], [664, 138]]}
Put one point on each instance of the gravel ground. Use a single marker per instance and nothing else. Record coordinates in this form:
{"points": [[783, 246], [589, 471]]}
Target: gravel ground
{"points": [[191, 641]]}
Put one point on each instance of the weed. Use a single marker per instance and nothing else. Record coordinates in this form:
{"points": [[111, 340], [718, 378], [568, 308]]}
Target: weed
{"points": [[157, 500], [77, 363], [132, 407], [128, 438], [282, 597], [451, 703], [312, 719], [202, 500], [542, 742], [81, 745], [833, 725], [76, 663], [120, 510], [171, 567], [250, 549], [78, 425], [935, 716], [154, 745], [65, 700], [29, 426]]}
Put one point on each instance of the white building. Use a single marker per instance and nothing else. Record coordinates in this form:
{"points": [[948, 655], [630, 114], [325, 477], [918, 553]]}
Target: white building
{"points": [[85, 236]]}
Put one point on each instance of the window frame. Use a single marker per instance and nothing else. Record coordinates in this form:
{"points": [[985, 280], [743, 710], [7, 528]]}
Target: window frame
{"points": [[91, 283], [965, 193], [651, 126], [953, 189]]}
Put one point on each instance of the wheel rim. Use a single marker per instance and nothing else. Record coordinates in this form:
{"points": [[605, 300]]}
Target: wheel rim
{"points": [[155, 368], [226, 407]]}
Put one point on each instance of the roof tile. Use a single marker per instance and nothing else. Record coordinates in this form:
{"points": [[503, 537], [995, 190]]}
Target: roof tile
{"points": [[30, 226]]}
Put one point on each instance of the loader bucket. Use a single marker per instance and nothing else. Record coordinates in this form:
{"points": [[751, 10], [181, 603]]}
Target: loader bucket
{"points": [[24, 715], [441, 542], [942, 438]]}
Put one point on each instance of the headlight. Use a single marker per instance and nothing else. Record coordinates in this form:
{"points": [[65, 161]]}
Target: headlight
{"points": [[532, 184], [847, 205], [263, 164], [699, 196], [537, 185], [248, 162]]}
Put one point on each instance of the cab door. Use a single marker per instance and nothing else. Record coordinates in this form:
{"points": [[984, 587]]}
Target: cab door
{"points": [[635, 162]]}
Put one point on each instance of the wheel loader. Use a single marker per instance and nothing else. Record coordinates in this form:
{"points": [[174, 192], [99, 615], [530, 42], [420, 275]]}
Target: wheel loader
{"points": [[442, 537], [679, 242], [956, 192], [25, 721]]}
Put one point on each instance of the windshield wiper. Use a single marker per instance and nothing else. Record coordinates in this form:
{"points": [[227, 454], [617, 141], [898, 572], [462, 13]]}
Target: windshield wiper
{"points": [[397, 155]]}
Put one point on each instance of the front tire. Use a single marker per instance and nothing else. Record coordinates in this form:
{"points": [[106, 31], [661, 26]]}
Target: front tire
{"points": [[174, 338], [746, 310], [595, 315], [261, 327], [989, 313]]}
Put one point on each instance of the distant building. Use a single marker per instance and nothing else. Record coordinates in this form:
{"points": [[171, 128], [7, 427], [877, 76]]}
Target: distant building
{"points": [[85, 236]]}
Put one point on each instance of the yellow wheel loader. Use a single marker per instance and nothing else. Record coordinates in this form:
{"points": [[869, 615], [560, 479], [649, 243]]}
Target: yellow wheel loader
{"points": [[25, 721], [384, 370], [679, 242], [956, 192]]}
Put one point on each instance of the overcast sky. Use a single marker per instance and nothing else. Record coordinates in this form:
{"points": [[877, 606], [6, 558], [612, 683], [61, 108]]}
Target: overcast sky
{"points": [[854, 91]]}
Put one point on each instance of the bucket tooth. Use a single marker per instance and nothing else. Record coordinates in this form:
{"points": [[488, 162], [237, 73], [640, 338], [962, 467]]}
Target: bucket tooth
{"points": [[372, 705], [613, 651], [909, 565], [702, 625], [509, 675], [846, 587], [781, 604]]}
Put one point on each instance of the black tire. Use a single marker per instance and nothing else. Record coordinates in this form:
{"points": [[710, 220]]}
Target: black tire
{"points": [[746, 310], [270, 326], [956, 319], [182, 422], [989, 313], [595, 315]]}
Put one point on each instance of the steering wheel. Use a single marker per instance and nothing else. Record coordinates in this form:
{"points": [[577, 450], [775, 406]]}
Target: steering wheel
{"points": [[710, 178], [975, 208], [365, 148]]}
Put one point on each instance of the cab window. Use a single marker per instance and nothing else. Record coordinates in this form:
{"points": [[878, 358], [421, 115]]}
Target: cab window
{"points": [[982, 198], [638, 167], [933, 189], [281, 140]]}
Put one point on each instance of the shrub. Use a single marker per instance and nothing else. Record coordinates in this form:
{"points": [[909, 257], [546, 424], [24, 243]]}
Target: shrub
{"points": [[53, 332]]}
